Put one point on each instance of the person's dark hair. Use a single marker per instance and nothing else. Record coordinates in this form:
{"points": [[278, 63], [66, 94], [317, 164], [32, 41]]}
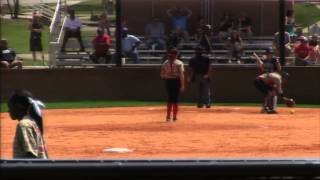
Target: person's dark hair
{"points": [[289, 13], [200, 18], [22, 97], [125, 29], [235, 36], [71, 11], [173, 51], [4, 42]]}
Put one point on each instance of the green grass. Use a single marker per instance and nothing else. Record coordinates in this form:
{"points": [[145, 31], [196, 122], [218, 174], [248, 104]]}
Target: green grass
{"points": [[17, 33], [92, 104], [306, 14], [29, 62], [105, 104], [86, 7]]}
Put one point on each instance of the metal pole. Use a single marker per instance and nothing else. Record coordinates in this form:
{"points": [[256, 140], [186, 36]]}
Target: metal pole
{"points": [[261, 17], [152, 8], [118, 54], [212, 12], [281, 31]]}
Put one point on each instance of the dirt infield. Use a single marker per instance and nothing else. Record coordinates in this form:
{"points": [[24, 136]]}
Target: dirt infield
{"points": [[219, 132]]}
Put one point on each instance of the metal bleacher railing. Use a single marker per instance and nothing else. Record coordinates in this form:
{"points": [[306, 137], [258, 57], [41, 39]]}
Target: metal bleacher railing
{"points": [[152, 56], [56, 32]]}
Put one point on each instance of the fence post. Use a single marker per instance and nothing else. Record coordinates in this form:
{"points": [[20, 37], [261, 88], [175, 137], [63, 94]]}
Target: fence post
{"points": [[281, 32]]}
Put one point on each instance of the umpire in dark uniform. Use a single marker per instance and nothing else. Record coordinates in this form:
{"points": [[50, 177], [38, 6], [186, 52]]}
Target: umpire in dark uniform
{"points": [[199, 73]]}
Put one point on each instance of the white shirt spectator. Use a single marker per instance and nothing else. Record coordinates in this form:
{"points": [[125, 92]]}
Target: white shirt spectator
{"points": [[315, 29], [72, 24], [128, 42]]}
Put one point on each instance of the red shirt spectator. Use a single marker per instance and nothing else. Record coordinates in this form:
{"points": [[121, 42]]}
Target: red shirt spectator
{"points": [[302, 50], [101, 43]]}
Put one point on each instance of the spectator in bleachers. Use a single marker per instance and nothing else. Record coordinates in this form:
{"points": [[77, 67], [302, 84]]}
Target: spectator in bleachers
{"points": [[101, 44], [110, 7], [314, 40], [155, 34], [35, 40], [235, 46], [179, 19], [315, 29], [8, 57], [287, 44], [199, 27], [104, 23], [129, 46], [174, 39], [225, 27], [290, 24], [299, 32], [245, 26], [301, 52], [72, 28], [124, 22], [206, 38], [314, 50]]}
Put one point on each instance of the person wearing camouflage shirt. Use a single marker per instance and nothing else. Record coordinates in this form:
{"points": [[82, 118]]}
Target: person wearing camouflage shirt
{"points": [[28, 142]]}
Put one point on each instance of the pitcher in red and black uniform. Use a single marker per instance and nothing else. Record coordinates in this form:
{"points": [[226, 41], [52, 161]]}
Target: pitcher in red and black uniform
{"points": [[172, 71]]}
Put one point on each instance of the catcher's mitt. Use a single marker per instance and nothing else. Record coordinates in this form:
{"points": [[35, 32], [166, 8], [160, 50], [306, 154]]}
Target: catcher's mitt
{"points": [[289, 102]]}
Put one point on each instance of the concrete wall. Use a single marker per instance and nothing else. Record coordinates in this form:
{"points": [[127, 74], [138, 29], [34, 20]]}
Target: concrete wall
{"points": [[264, 13], [230, 84]]}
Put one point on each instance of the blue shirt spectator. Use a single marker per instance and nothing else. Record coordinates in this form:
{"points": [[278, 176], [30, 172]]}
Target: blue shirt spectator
{"points": [[129, 46], [179, 22], [179, 18], [8, 56]]}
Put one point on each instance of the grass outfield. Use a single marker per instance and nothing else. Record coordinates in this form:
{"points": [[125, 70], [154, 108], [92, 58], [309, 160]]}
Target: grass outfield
{"points": [[105, 104], [306, 14]]}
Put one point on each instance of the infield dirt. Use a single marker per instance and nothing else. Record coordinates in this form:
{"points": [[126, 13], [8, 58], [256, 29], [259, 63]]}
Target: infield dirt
{"points": [[219, 132]]}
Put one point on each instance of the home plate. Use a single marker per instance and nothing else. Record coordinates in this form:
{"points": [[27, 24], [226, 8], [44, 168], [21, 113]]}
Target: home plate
{"points": [[117, 150]]}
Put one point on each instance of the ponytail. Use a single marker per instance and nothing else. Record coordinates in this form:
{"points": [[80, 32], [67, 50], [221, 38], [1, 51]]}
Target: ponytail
{"points": [[35, 112], [31, 106]]}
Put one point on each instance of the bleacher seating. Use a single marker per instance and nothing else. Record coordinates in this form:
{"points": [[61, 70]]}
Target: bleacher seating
{"points": [[219, 55]]}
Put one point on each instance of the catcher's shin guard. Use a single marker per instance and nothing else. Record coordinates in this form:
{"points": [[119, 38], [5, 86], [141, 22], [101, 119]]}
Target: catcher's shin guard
{"points": [[272, 102]]}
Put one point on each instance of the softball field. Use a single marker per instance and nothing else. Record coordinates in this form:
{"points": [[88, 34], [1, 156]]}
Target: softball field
{"points": [[219, 132]]}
